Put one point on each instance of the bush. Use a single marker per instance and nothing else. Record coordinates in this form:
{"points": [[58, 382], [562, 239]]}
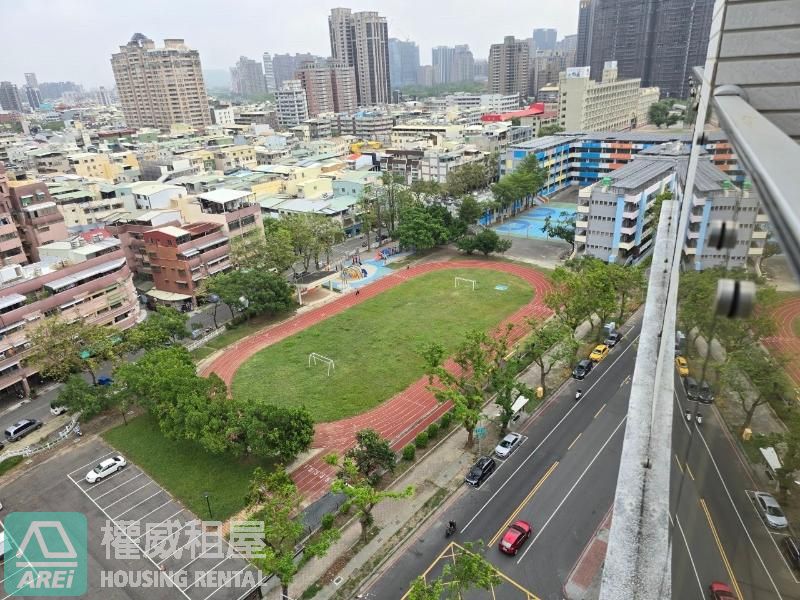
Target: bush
{"points": [[421, 440], [344, 508], [446, 419], [327, 521], [311, 591], [409, 452], [432, 431]]}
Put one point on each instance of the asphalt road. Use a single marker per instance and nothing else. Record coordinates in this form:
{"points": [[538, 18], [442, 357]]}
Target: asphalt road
{"points": [[717, 533], [561, 480]]}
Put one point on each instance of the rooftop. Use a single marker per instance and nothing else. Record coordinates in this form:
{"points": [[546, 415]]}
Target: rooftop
{"points": [[223, 195], [147, 188]]}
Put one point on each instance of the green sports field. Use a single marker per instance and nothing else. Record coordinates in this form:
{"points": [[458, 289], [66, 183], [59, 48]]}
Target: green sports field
{"points": [[375, 344]]}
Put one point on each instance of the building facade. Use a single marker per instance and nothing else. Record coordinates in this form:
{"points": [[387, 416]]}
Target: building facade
{"points": [[284, 66], [544, 39], [9, 97], [36, 215], [330, 86], [657, 41], [509, 66], [247, 78], [269, 73], [159, 87], [292, 104], [361, 40], [403, 62]]}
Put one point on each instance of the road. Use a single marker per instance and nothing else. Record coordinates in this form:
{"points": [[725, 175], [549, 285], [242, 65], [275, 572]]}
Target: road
{"points": [[561, 480], [717, 533]]}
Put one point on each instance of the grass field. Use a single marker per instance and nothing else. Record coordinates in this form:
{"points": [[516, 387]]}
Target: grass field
{"points": [[185, 469], [375, 344]]}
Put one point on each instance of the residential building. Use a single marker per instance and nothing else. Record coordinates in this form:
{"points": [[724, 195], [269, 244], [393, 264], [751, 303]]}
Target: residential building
{"points": [[91, 164], [103, 96], [291, 103], [481, 69], [31, 81], [365, 125], [403, 62], [9, 97], [236, 210], [330, 86], [130, 226], [487, 102], [508, 67], [442, 62], [182, 257], [425, 75], [361, 40], [35, 213], [222, 115], [97, 290], [247, 78], [608, 105], [284, 66], [463, 67], [544, 39], [657, 42], [343, 209], [84, 203], [269, 73], [232, 158], [33, 97], [78, 249], [11, 250], [148, 195], [546, 68], [159, 87], [534, 117], [569, 48], [437, 163]]}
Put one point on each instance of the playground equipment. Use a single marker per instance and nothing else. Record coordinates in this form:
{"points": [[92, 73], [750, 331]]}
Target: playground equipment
{"points": [[385, 253], [353, 272], [464, 281], [315, 358]]}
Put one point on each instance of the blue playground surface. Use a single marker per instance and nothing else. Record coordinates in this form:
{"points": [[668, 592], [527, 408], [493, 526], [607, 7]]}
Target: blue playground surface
{"points": [[529, 224], [368, 271]]}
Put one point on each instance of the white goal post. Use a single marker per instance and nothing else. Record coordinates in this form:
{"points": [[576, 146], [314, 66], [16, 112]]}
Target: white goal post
{"points": [[465, 281], [314, 358]]}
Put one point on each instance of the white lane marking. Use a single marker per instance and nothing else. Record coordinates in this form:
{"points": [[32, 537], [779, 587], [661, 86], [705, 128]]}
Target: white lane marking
{"points": [[691, 560], [551, 432], [139, 503], [94, 462], [772, 534], [224, 583], [572, 489], [179, 547], [141, 487], [183, 568], [116, 487], [153, 524]]}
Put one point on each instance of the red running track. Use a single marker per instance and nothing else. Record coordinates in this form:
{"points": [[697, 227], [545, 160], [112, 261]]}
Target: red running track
{"points": [[785, 341], [403, 416]]}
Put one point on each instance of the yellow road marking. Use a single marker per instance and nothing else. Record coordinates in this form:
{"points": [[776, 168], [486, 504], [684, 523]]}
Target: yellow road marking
{"points": [[522, 504], [599, 411], [575, 440], [724, 556], [678, 462], [689, 471]]}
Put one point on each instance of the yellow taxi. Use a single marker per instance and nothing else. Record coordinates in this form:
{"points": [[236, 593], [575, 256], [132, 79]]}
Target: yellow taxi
{"points": [[682, 366], [599, 353]]}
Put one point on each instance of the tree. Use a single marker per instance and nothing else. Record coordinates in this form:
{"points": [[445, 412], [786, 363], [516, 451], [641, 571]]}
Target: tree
{"points": [[252, 292], [278, 245], [571, 297], [562, 229], [78, 396], [626, 281], [249, 251], [361, 494], [371, 455], [545, 130], [420, 590], [469, 178], [550, 343], [469, 211], [420, 229], [395, 197], [467, 243], [487, 241], [302, 235], [327, 232], [524, 181], [469, 571], [275, 432], [277, 501], [163, 326], [658, 113], [504, 382], [426, 191], [654, 210]]}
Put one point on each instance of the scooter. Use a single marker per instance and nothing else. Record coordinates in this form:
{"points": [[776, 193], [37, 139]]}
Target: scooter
{"points": [[699, 419], [578, 395], [451, 529], [688, 414]]}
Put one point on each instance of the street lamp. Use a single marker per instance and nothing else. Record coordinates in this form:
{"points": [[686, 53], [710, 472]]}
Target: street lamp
{"points": [[208, 504]]}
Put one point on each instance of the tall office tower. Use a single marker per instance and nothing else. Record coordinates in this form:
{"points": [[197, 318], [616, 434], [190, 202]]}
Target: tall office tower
{"points": [[160, 86], [425, 75], [247, 78], [31, 81], [269, 73], [545, 39], [508, 67], [659, 41], [103, 96], [284, 66], [33, 96], [547, 64], [292, 105], [442, 61], [9, 96], [463, 68], [330, 86], [361, 40], [568, 47], [403, 62], [481, 68]]}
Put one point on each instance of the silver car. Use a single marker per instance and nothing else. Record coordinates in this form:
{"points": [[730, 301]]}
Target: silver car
{"points": [[770, 511], [508, 444]]}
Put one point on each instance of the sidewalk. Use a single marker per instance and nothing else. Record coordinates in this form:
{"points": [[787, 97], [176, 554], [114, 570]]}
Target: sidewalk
{"points": [[583, 582]]}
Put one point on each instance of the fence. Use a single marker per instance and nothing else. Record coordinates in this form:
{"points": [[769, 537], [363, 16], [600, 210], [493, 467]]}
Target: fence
{"points": [[204, 340], [28, 451]]}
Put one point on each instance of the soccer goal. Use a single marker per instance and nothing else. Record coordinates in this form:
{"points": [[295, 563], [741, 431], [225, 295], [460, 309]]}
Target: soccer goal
{"points": [[464, 281], [315, 358]]}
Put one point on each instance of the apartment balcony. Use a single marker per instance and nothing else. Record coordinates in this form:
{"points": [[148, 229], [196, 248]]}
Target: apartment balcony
{"points": [[693, 218], [580, 238], [698, 201], [692, 235], [15, 377], [626, 245], [581, 224], [755, 251], [762, 218], [627, 229], [760, 235], [583, 208], [630, 213]]}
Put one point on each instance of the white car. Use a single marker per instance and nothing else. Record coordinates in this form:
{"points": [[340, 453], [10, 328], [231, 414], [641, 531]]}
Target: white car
{"points": [[2, 544], [771, 511], [508, 444], [106, 468]]}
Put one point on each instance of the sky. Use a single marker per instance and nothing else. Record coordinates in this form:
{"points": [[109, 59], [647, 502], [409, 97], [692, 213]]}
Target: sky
{"points": [[72, 40]]}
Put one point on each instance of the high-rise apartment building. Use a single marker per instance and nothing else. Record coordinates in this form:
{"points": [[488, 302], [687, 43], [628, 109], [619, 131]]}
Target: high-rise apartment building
{"points": [[403, 62], [284, 66], [9, 96], [442, 62], [269, 73], [330, 86], [103, 96], [568, 46], [33, 96], [546, 67], [545, 39], [508, 67], [30, 80], [361, 40], [452, 65], [159, 87], [658, 41], [291, 103], [247, 78]]}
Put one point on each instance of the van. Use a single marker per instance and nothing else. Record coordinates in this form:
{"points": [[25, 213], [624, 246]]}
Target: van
{"points": [[692, 389], [22, 428]]}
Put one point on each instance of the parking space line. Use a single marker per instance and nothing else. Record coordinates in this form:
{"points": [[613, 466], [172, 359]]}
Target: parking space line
{"points": [[183, 567], [224, 583], [119, 486], [138, 504], [574, 485], [722, 553], [179, 547], [689, 553], [678, 462], [154, 510], [689, 471], [169, 536], [128, 494], [750, 497], [94, 462], [197, 579]]}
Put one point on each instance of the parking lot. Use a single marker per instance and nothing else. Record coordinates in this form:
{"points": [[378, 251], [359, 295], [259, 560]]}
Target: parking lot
{"points": [[134, 526]]}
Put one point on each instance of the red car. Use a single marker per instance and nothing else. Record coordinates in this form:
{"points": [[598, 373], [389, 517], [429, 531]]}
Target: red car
{"points": [[720, 591], [517, 534]]}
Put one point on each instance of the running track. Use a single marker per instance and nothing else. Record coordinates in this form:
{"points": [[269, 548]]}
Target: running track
{"points": [[403, 416], [785, 341]]}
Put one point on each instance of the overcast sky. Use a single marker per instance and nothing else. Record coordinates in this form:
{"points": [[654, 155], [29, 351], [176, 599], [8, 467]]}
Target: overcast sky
{"points": [[73, 40]]}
